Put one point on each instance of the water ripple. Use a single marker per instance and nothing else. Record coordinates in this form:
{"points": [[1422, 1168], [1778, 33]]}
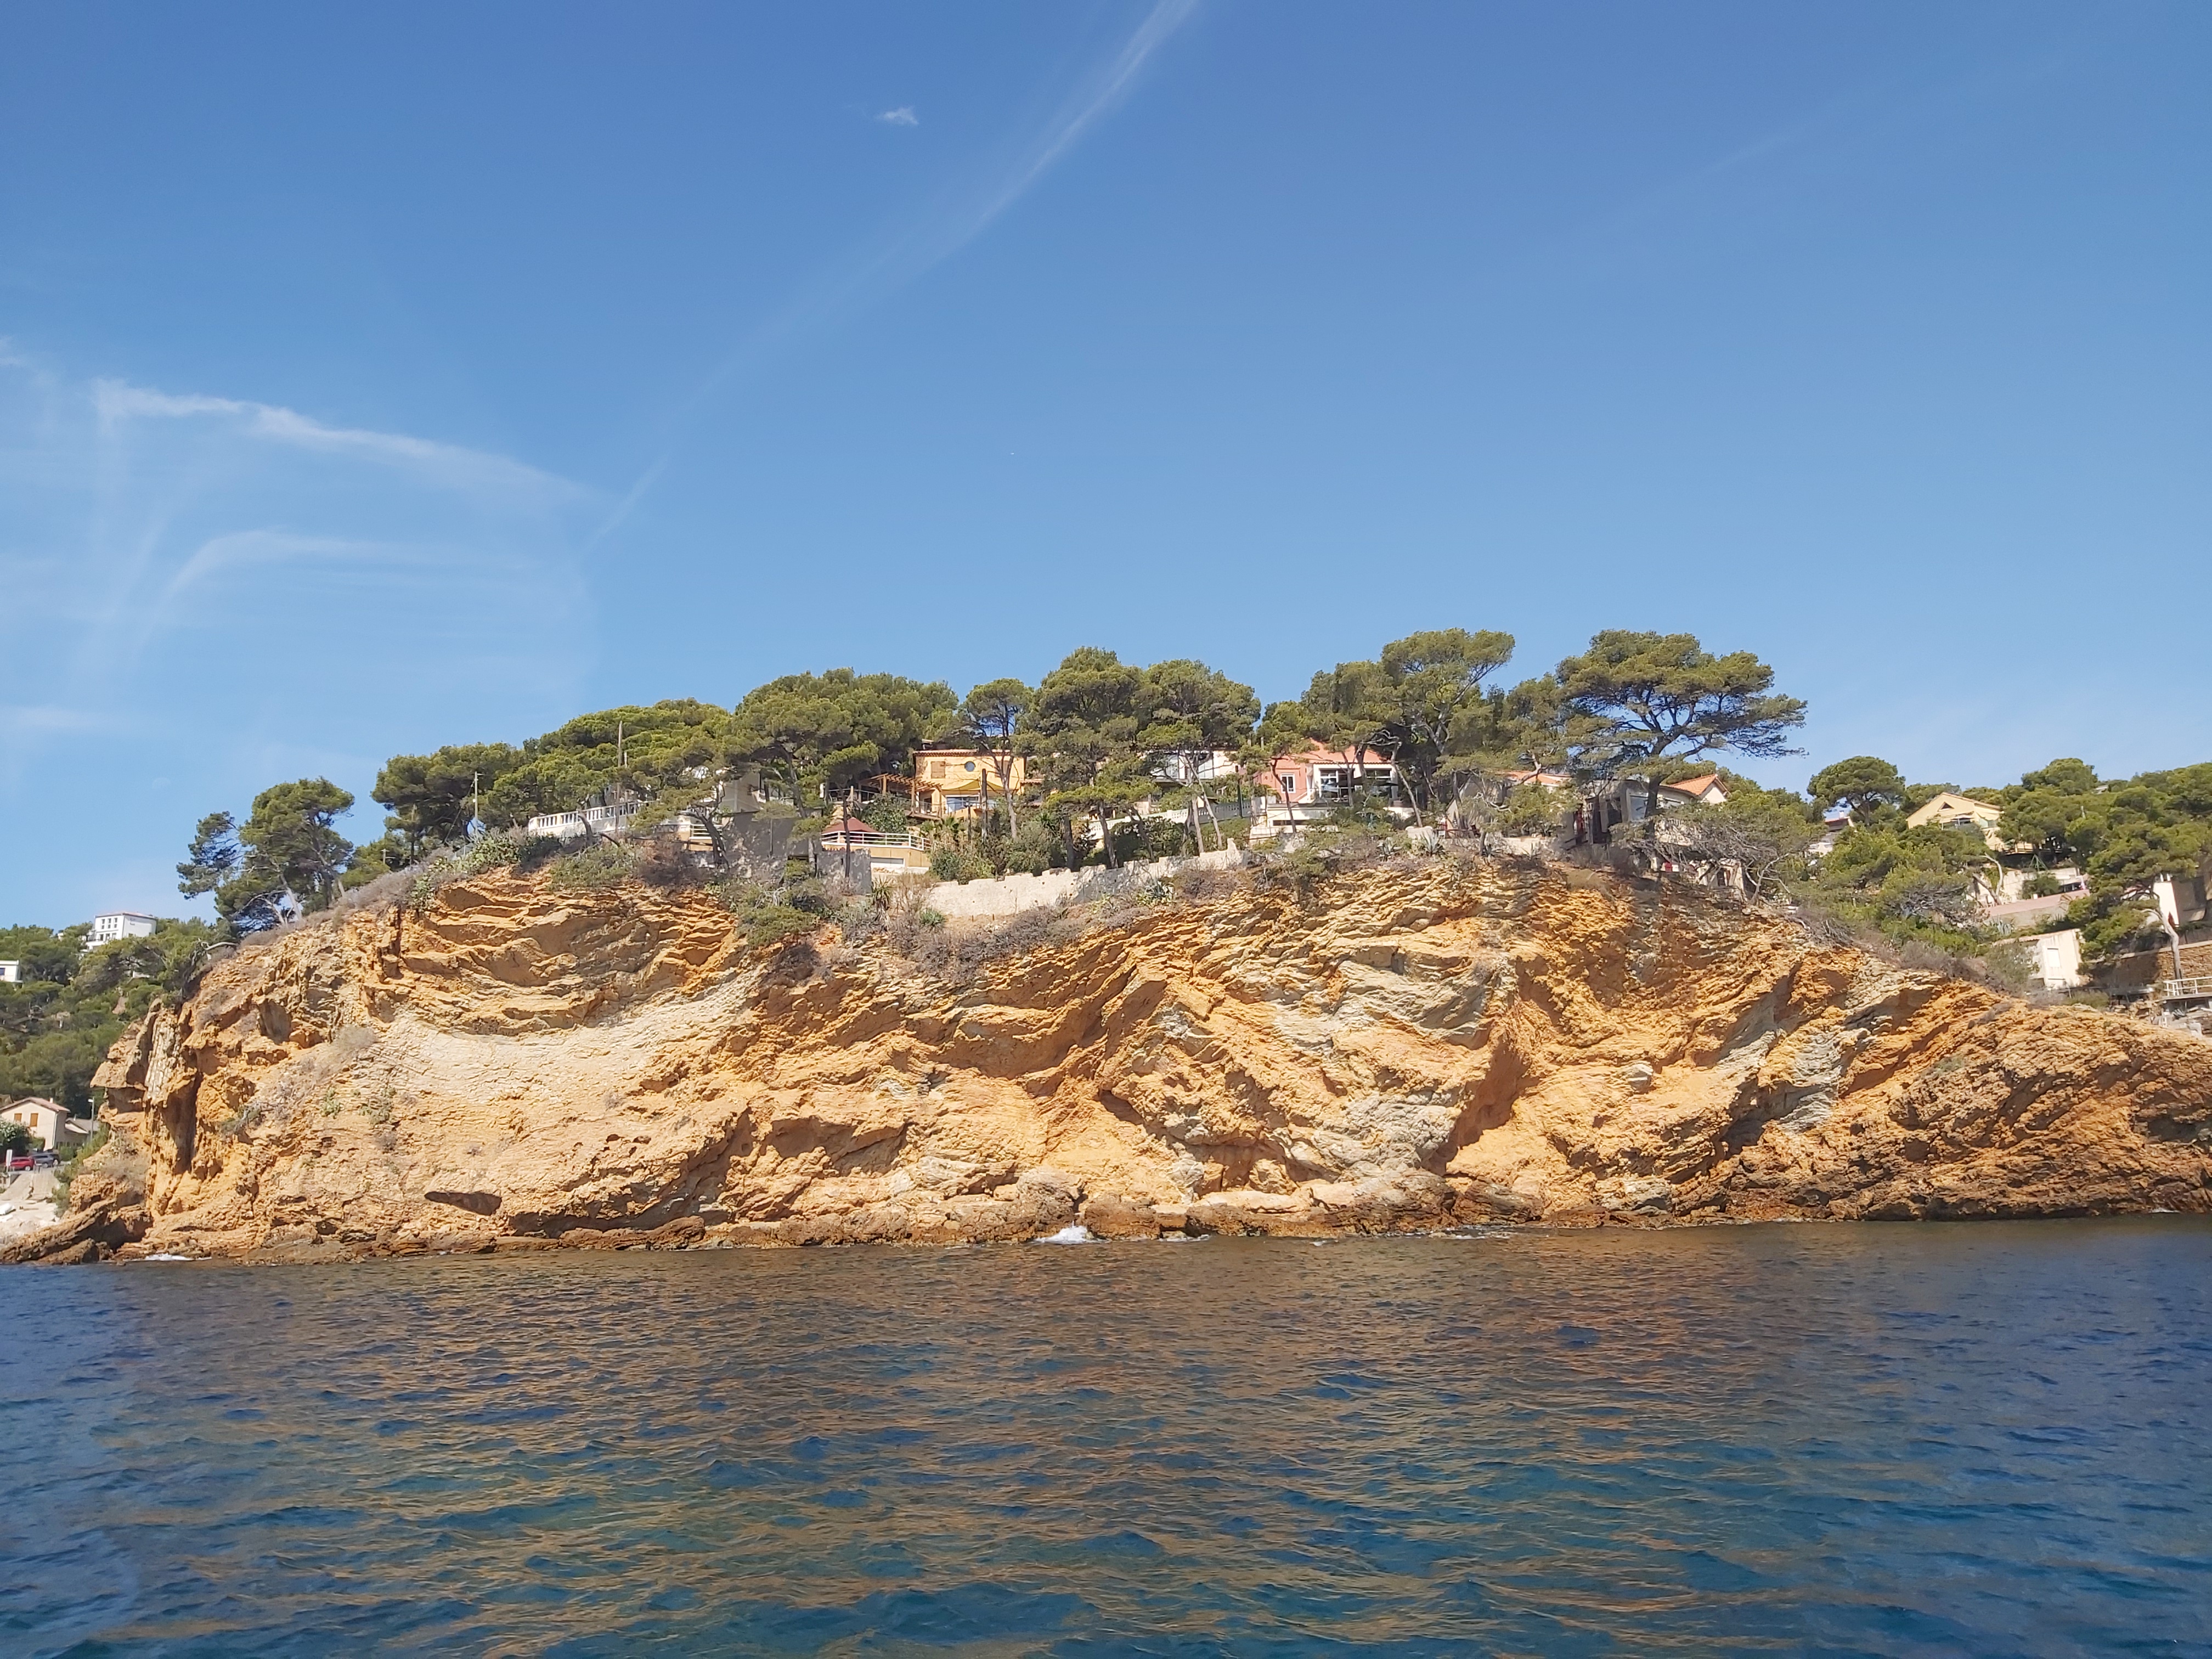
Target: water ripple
{"points": [[1908, 1440]]}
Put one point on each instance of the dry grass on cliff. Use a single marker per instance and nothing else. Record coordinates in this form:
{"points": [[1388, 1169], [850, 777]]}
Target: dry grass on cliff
{"points": [[958, 952], [117, 1169], [1999, 969]]}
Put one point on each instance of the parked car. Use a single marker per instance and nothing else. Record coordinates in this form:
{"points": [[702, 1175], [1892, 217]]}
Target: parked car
{"points": [[20, 1161], [44, 1159]]}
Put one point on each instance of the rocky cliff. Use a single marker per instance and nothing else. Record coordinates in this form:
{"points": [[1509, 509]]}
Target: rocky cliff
{"points": [[1409, 1045]]}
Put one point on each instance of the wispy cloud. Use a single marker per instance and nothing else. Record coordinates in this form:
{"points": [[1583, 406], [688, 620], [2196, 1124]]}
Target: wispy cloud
{"points": [[1887, 106], [636, 493], [27, 719], [390, 567], [1096, 98], [948, 224], [958, 220], [117, 402], [201, 580], [903, 116]]}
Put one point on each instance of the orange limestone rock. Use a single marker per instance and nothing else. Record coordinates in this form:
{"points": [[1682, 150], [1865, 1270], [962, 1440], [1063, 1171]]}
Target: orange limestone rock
{"points": [[1412, 1045]]}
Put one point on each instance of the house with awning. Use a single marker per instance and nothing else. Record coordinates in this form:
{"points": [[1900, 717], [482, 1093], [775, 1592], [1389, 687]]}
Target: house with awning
{"points": [[953, 783]]}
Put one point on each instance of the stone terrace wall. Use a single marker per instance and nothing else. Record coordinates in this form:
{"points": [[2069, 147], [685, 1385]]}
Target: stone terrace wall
{"points": [[1008, 895]]}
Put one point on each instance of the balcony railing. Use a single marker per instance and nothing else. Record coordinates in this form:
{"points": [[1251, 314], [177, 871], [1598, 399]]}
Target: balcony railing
{"points": [[566, 824]]}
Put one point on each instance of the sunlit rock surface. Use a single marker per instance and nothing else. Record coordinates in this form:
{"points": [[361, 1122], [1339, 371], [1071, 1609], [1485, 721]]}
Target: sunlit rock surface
{"points": [[1412, 1045]]}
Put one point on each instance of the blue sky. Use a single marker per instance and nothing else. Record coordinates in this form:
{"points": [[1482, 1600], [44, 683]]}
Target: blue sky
{"points": [[380, 377]]}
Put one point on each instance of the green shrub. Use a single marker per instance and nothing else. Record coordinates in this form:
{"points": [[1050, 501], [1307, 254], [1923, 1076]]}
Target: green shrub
{"points": [[1038, 847], [769, 915], [495, 851], [954, 862], [1361, 812], [662, 860], [885, 813], [772, 924], [74, 1159], [1533, 809], [532, 852], [598, 867], [1151, 838], [1317, 854]]}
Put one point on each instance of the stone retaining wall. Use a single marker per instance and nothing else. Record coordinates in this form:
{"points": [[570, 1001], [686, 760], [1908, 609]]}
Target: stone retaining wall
{"points": [[1005, 896]]}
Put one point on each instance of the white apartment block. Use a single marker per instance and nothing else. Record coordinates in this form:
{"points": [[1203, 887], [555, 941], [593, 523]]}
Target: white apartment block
{"points": [[118, 924]]}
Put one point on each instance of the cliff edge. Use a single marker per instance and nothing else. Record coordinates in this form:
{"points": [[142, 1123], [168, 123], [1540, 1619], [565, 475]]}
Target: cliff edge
{"points": [[1414, 1044]]}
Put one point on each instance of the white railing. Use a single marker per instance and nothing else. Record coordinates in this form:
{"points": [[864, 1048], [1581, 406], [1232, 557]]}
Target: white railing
{"points": [[870, 838], [2177, 990], [567, 825]]}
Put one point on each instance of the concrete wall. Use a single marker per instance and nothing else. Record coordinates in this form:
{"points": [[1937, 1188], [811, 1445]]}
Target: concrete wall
{"points": [[1009, 894], [2054, 960]]}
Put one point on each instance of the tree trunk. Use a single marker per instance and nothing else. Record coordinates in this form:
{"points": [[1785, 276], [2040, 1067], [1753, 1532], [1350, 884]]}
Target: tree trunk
{"points": [[1106, 838], [1004, 765]]}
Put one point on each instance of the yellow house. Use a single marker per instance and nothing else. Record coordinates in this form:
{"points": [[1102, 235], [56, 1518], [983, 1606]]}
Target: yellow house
{"points": [[951, 782], [1965, 813]]}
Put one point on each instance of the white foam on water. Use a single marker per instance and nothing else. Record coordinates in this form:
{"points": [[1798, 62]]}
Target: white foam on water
{"points": [[1076, 1234], [163, 1255]]}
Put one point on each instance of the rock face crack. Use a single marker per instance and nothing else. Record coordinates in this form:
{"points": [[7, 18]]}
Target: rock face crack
{"points": [[1411, 1044]]}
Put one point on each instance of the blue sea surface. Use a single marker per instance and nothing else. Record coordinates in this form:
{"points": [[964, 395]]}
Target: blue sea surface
{"points": [[1912, 1438]]}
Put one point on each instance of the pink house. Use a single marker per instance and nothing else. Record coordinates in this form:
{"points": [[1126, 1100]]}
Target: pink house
{"points": [[1322, 777]]}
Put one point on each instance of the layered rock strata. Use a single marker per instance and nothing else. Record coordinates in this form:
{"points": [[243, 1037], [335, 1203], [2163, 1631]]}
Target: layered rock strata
{"points": [[1414, 1045]]}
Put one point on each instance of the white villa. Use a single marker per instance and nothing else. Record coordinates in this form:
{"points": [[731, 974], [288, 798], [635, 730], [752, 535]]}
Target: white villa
{"points": [[118, 924], [52, 1126]]}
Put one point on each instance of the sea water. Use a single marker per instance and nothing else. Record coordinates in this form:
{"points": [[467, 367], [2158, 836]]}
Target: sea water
{"points": [[1835, 1439]]}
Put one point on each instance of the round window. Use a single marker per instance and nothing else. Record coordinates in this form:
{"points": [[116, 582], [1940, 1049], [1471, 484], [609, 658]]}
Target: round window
{"points": [[971, 766]]}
